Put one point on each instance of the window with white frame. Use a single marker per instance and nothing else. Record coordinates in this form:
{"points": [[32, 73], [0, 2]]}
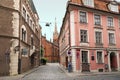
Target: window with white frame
{"points": [[99, 57], [24, 34], [98, 36], [97, 19], [83, 17], [84, 56], [88, 3], [111, 38], [83, 34], [113, 7], [110, 21], [24, 13]]}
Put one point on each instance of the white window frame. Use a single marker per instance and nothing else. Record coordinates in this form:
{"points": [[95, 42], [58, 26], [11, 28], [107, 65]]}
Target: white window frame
{"points": [[89, 3], [86, 17], [24, 28], [87, 56], [113, 41], [100, 20], [108, 22], [102, 57]]}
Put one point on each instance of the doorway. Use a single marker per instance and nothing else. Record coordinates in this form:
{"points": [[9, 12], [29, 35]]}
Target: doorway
{"points": [[113, 61], [85, 64]]}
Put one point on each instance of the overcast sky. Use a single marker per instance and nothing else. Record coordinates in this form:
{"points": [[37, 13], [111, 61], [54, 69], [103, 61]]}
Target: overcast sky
{"points": [[47, 11]]}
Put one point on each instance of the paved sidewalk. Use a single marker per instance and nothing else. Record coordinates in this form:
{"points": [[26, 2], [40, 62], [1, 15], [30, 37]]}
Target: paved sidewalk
{"points": [[18, 77], [77, 74]]}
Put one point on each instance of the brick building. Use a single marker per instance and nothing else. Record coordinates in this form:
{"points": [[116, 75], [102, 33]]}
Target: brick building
{"points": [[50, 49], [89, 36], [19, 36]]}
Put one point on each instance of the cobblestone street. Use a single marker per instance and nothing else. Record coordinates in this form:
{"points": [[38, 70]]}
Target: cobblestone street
{"points": [[48, 72], [52, 71]]}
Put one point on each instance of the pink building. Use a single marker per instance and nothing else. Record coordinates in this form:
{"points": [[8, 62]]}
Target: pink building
{"points": [[89, 36]]}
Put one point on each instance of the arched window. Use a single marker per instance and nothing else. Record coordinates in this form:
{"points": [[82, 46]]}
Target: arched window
{"points": [[23, 33]]}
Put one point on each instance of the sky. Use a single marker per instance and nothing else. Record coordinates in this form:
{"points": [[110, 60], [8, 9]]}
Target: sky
{"points": [[48, 10]]}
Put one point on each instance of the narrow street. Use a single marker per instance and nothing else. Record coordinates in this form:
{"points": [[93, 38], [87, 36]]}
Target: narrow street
{"points": [[52, 71]]}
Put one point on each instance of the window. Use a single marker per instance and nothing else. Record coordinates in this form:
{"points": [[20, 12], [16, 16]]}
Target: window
{"points": [[23, 34], [84, 56], [98, 37], [24, 51], [31, 23], [110, 22], [88, 3], [111, 38], [28, 17], [83, 18], [97, 19], [99, 57], [24, 13], [32, 43], [83, 35], [113, 6]]}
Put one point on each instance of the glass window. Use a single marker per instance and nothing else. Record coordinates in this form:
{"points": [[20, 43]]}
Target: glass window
{"points": [[83, 18], [23, 34], [24, 13], [83, 34], [98, 37], [99, 57], [97, 19], [111, 38], [84, 56], [89, 3], [110, 22]]}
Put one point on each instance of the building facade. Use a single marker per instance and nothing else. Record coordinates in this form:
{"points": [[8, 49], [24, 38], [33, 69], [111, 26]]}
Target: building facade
{"points": [[19, 36], [50, 49], [89, 36]]}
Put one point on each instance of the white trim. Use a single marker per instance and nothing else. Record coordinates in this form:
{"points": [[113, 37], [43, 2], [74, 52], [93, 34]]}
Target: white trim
{"points": [[23, 27], [118, 61], [86, 15], [73, 53], [114, 36], [72, 26], [98, 30], [87, 56], [100, 18], [102, 56], [113, 21]]}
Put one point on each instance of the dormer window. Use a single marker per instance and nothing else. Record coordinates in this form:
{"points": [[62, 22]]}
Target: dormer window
{"points": [[88, 3], [113, 6]]}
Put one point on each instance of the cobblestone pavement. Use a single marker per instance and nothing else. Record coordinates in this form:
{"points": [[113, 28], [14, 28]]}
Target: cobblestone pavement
{"points": [[48, 72], [52, 71]]}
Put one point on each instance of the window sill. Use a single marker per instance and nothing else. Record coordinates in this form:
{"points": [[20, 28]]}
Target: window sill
{"points": [[110, 28]]}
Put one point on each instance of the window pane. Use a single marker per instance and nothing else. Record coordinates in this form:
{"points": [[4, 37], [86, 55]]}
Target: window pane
{"points": [[99, 57], [83, 35], [83, 18], [97, 19]]}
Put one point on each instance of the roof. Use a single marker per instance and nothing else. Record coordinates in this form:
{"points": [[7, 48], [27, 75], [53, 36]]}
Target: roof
{"points": [[98, 4], [32, 6]]}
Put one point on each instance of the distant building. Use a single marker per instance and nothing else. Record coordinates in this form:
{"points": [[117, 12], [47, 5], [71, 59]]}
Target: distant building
{"points": [[50, 49], [89, 36], [19, 36]]}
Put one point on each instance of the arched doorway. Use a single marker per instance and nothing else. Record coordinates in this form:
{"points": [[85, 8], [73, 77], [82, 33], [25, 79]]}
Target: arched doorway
{"points": [[113, 61]]}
